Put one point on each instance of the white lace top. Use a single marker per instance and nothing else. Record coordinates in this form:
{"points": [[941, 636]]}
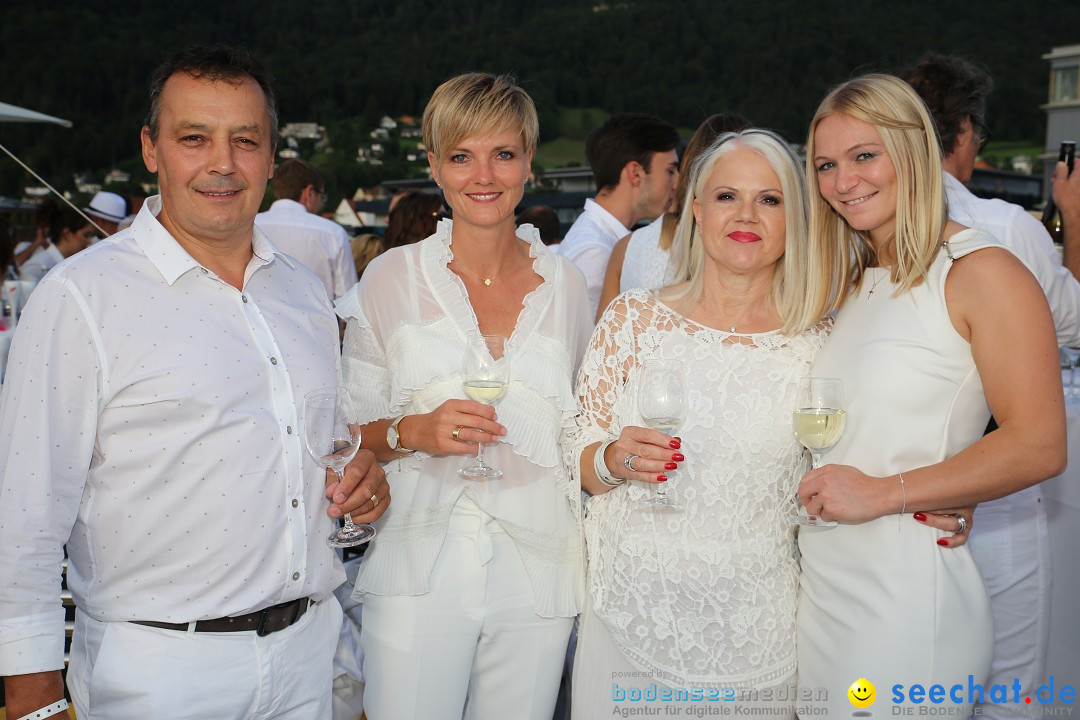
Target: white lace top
{"points": [[704, 596], [645, 265], [409, 320]]}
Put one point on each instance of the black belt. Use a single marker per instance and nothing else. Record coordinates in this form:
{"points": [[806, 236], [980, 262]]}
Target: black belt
{"points": [[263, 622]]}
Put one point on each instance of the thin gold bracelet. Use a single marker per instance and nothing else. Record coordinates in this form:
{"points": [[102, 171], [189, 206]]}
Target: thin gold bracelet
{"points": [[903, 492]]}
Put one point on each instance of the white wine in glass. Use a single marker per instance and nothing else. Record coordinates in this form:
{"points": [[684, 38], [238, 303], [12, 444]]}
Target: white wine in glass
{"points": [[333, 444], [486, 378], [662, 402], [818, 420]]}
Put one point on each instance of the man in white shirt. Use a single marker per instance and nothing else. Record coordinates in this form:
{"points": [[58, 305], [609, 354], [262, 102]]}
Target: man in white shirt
{"points": [[633, 159], [293, 225], [1009, 540], [151, 423]]}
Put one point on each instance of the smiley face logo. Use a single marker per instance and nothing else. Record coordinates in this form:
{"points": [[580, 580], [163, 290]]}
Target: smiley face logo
{"points": [[862, 693]]}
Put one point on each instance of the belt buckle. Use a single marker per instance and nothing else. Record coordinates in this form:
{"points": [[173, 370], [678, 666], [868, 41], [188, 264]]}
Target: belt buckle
{"points": [[262, 630]]}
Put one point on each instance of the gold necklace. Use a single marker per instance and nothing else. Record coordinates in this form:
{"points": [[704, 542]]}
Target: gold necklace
{"points": [[486, 280]]}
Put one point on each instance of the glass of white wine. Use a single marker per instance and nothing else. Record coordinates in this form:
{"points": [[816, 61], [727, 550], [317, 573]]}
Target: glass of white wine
{"points": [[819, 424], [333, 443], [662, 402], [485, 378]]}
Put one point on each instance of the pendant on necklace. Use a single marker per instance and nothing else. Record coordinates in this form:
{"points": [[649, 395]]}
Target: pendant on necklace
{"points": [[487, 281], [732, 328]]}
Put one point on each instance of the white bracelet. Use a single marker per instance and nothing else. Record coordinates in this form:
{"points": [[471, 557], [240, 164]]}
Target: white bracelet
{"points": [[61, 704], [601, 469]]}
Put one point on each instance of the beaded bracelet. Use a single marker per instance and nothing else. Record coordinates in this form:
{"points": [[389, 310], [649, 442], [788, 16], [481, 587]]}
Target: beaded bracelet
{"points": [[601, 469]]}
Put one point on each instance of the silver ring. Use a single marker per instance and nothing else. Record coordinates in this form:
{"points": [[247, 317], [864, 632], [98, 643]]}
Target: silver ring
{"points": [[628, 462], [457, 433], [961, 525], [374, 501]]}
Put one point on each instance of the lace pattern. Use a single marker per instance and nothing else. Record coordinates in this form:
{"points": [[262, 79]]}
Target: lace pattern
{"points": [[706, 595]]}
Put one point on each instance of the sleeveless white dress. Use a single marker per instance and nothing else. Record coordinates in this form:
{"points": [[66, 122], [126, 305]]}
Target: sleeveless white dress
{"points": [[645, 265], [703, 597], [881, 600]]}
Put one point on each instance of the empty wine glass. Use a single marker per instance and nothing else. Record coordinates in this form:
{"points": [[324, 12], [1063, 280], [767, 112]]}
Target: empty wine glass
{"points": [[662, 402], [818, 420], [333, 443], [485, 379]]}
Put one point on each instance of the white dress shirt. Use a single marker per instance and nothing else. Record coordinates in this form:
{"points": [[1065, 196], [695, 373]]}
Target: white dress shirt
{"points": [[409, 322], [320, 244], [589, 243], [150, 421], [40, 263], [1025, 235]]}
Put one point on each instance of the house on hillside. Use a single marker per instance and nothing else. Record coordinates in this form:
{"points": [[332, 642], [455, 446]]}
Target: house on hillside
{"points": [[1063, 104]]}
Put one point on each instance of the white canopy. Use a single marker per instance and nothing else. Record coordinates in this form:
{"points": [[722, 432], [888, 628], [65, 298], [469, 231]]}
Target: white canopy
{"points": [[11, 113]]}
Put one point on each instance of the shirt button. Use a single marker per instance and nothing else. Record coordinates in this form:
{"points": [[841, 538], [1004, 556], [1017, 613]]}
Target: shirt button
{"points": [[296, 576], [244, 298], [295, 503], [288, 429], [204, 271], [273, 361]]}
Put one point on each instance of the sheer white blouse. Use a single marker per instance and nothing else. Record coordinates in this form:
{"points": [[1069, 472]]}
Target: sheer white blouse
{"points": [[409, 321]]}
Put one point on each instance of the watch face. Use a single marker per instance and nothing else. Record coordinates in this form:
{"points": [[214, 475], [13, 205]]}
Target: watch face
{"points": [[392, 437]]}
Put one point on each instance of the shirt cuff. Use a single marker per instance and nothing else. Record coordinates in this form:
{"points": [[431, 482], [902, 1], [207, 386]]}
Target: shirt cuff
{"points": [[32, 644]]}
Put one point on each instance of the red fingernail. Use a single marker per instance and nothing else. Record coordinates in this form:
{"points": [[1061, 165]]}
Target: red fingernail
{"points": [[921, 517], [677, 457], [661, 478], [670, 466], [943, 542], [675, 444]]}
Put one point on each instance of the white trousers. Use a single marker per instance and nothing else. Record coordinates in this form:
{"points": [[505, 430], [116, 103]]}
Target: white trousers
{"points": [[1011, 546], [473, 647], [123, 671]]}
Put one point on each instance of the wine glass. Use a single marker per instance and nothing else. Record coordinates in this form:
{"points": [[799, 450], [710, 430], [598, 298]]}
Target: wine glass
{"points": [[662, 402], [1072, 355], [333, 444], [818, 420], [485, 378]]}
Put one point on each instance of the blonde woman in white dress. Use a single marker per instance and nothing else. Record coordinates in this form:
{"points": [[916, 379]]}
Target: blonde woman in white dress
{"points": [[938, 326]]}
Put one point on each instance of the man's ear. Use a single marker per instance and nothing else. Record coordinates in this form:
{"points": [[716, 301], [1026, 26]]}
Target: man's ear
{"points": [[149, 152], [633, 173]]}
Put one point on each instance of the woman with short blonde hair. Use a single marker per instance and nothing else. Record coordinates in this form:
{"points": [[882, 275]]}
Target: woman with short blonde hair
{"points": [[472, 585]]}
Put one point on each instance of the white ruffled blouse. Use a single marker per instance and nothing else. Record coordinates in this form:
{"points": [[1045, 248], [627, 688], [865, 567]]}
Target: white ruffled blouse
{"points": [[409, 321]]}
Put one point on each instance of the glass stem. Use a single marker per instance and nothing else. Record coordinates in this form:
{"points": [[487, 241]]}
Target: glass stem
{"points": [[480, 455], [349, 525]]}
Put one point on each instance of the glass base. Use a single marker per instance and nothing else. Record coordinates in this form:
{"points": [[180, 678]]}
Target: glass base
{"points": [[479, 471], [813, 521], [350, 536]]}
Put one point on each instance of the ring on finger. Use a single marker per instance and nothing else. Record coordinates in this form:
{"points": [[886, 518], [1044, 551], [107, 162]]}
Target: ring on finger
{"points": [[374, 501], [628, 462], [457, 433], [961, 525]]}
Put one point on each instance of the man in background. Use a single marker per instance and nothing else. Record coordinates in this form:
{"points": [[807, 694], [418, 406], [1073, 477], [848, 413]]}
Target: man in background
{"points": [[633, 159], [292, 223], [1009, 542]]}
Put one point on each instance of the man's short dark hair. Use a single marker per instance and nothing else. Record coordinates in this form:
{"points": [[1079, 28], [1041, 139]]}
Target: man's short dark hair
{"points": [[216, 63], [292, 176], [545, 220], [625, 138], [953, 89]]}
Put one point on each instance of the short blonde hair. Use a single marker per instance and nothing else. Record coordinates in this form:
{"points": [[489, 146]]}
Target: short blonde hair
{"points": [[907, 132], [478, 104], [790, 290]]}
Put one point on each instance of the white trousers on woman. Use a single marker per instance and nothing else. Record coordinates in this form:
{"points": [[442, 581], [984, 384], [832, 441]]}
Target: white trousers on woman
{"points": [[123, 671], [473, 646]]}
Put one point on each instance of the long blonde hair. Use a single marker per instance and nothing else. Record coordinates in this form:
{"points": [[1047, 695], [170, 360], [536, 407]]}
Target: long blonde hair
{"points": [[789, 289], [907, 132]]}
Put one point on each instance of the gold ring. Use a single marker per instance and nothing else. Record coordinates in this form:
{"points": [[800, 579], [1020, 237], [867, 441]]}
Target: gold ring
{"points": [[456, 434], [374, 500]]}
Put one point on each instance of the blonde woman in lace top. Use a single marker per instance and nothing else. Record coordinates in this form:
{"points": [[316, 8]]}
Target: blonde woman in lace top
{"points": [[701, 599], [471, 587]]}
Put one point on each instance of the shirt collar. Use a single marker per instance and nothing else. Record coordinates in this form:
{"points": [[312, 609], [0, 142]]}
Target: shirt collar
{"points": [[287, 206], [171, 260], [611, 222]]}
